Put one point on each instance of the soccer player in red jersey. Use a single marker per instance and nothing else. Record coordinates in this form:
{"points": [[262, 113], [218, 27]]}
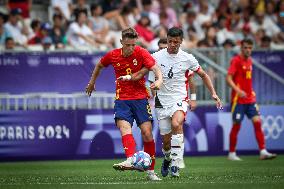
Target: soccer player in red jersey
{"points": [[131, 96], [243, 100]]}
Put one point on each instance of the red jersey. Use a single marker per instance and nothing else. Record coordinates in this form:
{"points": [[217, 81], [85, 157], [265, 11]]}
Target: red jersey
{"points": [[129, 90], [241, 70]]}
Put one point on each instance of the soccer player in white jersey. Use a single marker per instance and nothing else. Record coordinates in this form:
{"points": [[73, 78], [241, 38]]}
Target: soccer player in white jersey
{"points": [[171, 98], [166, 138]]}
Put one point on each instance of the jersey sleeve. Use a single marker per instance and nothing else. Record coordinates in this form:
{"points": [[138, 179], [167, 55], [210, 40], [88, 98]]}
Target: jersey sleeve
{"points": [[193, 63], [107, 59], [148, 60], [233, 67]]}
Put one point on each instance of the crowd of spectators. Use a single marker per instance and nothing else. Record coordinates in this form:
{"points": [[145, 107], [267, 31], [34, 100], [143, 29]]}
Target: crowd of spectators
{"points": [[80, 25]]}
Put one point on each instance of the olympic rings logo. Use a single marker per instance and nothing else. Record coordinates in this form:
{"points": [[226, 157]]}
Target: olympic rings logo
{"points": [[272, 126]]}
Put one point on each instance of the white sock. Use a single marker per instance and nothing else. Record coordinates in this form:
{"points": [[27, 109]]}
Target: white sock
{"points": [[176, 149]]}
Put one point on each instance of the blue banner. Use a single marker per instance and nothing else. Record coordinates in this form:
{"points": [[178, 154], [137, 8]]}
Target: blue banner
{"points": [[93, 134], [63, 72]]}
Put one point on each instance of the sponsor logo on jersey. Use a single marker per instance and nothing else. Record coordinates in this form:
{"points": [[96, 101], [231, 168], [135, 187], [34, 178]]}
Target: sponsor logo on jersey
{"points": [[135, 62]]}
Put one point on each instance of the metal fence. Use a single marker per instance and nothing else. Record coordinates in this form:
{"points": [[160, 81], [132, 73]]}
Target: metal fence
{"points": [[56, 101]]}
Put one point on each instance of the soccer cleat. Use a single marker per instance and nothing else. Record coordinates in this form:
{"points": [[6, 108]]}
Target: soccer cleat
{"points": [[265, 155], [151, 175], [233, 157], [175, 171], [126, 165], [165, 168], [181, 164]]}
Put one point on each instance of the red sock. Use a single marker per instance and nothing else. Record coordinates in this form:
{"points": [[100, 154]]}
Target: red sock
{"points": [[234, 136], [129, 145], [259, 135], [150, 148]]}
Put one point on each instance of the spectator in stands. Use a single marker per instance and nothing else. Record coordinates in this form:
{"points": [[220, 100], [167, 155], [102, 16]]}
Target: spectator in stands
{"points": [[23, 5], [43, 32], [36, 30], [228, 44], [9, 43], [126, 18], [260, 21], [165, 7], [190, 39], [79, 34], [81, 5], [190, 24], [147, 10], [265, 42], [145, 32], [46, 43], [210, 37], [58, 32], [160, 33], [17, 28], [205, 14], [223, 34], [62, 7], [4, 33], [97, 22]]}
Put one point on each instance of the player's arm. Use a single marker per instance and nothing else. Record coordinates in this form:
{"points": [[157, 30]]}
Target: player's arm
{"points": [[159, 78], [207, 81], [232, 84], [192, 87], [138, 75], [96, 72], [135, 76]]}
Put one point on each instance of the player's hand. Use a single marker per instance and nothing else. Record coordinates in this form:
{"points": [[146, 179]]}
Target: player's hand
{"points": [[124, 78], [218, 102], [241, 93], [90, 88], [156, 85], [192, 104]]}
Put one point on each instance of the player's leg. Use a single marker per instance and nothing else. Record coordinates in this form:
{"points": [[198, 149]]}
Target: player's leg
{"points": [[143, 116], [124, 121], [165, 132], [177, 141], [237, 116], [253, 114]]}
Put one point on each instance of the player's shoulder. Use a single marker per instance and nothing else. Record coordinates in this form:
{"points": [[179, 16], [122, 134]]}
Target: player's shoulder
{"points": [[160, 53], [186, 56], [114, 52], [236, 59]]}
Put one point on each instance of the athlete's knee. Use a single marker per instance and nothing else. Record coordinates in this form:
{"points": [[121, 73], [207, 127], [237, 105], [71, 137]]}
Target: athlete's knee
{"points": [[177, 126], [147, 135], [256, 119]]}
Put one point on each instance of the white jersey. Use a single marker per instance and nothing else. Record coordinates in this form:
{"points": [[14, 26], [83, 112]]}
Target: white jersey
{"points": [[176, 68]]}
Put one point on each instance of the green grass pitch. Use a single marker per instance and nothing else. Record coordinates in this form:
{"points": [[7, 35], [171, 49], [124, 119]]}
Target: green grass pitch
{"points": [[200, 172]]}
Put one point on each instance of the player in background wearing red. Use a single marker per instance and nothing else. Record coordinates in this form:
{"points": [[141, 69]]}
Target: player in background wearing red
{"points": [[131, 96], [243, 100]]}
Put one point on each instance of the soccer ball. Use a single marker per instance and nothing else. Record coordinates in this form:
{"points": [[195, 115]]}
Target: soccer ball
{"points": [[141, 160]]}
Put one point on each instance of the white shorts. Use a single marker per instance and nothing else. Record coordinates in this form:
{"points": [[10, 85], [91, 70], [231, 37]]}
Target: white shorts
{"points": [[164, 116]]}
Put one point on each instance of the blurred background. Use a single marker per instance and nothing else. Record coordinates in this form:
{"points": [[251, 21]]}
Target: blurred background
{"points": [[49, 48]]}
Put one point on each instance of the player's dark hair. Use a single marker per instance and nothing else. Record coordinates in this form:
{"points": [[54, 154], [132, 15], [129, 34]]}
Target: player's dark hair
{"points": [[129, 33], [247, 41], [162, 41], [175, 32]]}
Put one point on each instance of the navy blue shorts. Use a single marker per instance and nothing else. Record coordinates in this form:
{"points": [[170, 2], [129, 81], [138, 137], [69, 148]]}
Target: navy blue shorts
{"points": [[240, 110], [130, 110]]}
